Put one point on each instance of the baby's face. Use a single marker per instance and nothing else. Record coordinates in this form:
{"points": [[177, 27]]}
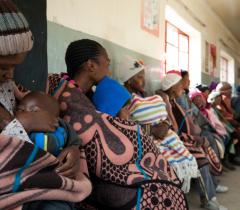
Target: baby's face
{"points": [[124, 113], [28, 106], [36, 101]]}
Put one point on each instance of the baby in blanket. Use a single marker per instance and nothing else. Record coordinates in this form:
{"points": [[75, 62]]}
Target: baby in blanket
{"points": [[52, 142]]}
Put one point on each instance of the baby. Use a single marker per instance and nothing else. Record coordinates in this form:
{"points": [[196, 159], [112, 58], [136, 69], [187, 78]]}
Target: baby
{"points": [[52, 142], [112, 98]]}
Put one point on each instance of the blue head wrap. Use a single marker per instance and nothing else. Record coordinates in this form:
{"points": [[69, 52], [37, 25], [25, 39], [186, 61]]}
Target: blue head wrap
{"points": [[110, 96]]}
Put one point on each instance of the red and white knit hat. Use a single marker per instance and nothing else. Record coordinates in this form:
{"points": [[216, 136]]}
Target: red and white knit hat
{"points": [[170, 79], [15, 35]]}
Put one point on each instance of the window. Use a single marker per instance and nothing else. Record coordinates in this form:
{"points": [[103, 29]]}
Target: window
{"points": [[177, 48], [223, 69]]}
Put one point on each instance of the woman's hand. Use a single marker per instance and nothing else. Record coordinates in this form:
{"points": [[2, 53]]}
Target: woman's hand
{"points": [[69, 160], [5, 118], [37, 121]]}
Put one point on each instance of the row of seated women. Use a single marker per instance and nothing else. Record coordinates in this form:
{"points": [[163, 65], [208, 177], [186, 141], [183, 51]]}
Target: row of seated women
{"points": [[108, 147]]}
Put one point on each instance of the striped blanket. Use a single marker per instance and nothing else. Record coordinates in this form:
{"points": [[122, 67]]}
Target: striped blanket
{"points": [[179, 158], [28, 174], [151, 111], [148, 110]]}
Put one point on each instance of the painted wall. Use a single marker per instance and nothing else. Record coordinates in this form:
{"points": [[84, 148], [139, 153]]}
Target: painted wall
{"points": [[116, 24], [32, 73]]}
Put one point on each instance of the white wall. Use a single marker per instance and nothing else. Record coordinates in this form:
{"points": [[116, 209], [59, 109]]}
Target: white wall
{"points": [[195, 55], [119, 21], [115, 20]]}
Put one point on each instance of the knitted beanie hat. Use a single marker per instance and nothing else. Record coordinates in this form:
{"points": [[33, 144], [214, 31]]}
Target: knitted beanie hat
{"points": [[110, 97], [128, 68], [15, 35], [80, 51], [212, 96], [149, 110], [169, 80]]}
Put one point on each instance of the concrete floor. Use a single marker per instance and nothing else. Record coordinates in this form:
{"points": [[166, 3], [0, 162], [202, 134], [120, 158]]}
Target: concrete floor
{"points": [[231, 199]]}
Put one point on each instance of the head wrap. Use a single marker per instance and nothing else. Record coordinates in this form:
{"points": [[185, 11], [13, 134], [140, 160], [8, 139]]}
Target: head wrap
{"points": [[212, 96], [149, 110], [110, 96], [194, 93], [202, 88], [15, 35], [128, 68], [213, 86], [223, 87], [170, 79]]}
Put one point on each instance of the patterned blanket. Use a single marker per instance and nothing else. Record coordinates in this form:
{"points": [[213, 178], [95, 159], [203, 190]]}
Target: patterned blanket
{"points": [[28, 174], [118, 158], [203, 153]]}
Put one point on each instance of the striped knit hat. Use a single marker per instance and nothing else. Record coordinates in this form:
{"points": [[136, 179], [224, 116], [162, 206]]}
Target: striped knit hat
{"points": [[15, 35], [149, 110]]}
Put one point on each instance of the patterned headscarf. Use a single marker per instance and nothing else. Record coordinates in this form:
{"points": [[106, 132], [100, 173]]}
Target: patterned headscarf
{"points": [[15, 35]]}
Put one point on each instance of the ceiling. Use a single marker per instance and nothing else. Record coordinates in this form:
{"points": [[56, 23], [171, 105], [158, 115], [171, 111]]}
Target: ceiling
{"points": [[229, 12]]}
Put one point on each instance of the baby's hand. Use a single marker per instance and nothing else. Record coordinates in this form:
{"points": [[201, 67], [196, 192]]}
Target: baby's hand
{"points": [[19, 94]]}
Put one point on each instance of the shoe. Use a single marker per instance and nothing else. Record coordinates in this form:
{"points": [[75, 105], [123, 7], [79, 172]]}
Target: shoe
{"points": [[225, 169], [220, 207], [228, 165], [210, 205], [221, 189], [236, 161], [237, 158]]}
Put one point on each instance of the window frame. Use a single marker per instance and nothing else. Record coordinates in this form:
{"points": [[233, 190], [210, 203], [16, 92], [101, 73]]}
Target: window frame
{"points": [[180, 32], [222, 58]]}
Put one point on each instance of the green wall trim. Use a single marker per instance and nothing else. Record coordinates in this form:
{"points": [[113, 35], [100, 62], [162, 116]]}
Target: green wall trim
{"points": [[60, 36], [207, 79]]}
